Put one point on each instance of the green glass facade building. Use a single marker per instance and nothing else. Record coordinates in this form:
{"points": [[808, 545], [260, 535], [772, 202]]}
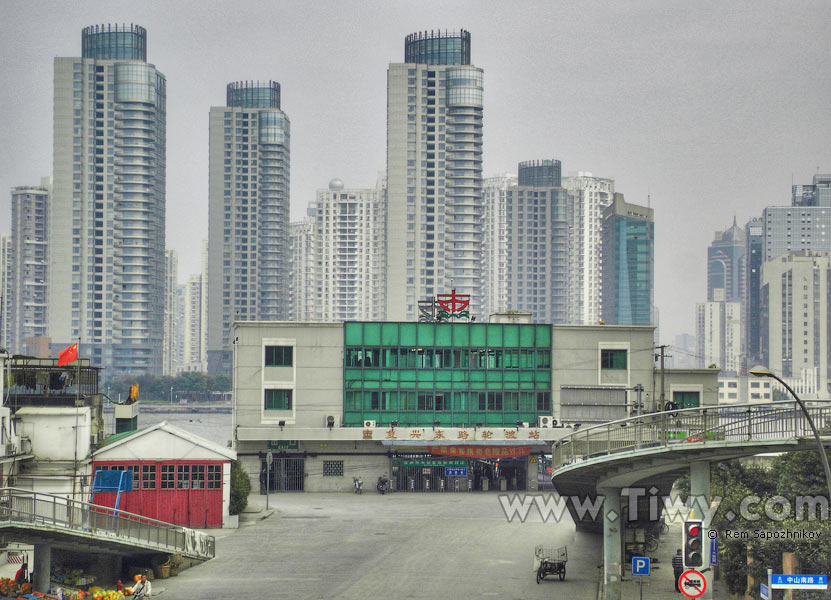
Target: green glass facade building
{"points": [[628, 278], [453, 374]]}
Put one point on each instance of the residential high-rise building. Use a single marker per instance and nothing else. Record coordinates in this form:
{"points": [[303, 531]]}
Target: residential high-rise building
{"points": [[303, 291], [107, 221], [719, 334], [796, 317], [725, 264], [249, 260], [5, 288], [28, 265], [527, 235], [754, 250], [193, 353], [628, 265], [434, 171], [179, 359], [494, 275], [590, 197], [350, 253], [171, 281]]}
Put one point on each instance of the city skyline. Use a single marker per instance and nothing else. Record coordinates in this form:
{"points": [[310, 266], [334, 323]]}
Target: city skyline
{"points": [[685, 104]]}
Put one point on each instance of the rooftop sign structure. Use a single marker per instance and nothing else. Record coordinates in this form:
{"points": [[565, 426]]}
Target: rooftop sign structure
{"points": [[444, 307]]}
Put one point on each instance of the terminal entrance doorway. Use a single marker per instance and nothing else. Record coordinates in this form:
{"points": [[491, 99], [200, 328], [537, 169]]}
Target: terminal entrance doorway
{"points": [[286, 474], [427, 473]]}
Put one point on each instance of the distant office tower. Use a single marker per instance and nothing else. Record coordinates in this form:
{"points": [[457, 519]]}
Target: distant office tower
{"points": [[683, 352], [754, 250], [193, 354], [796, 316], [590, 196], [805, 225], [107, 223], [628, 267], [719, 334], [171, 281], [526, 249], [350, 253], [725, 264], [434, 170], [816, 194], [249, 264], [28, 265], [494, 275], [303, 266], [5, 288]]}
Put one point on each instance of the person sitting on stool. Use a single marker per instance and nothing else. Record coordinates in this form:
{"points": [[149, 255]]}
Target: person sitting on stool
{"points": [[142, 588]]}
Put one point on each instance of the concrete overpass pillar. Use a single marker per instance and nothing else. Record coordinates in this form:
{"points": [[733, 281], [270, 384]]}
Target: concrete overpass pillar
{"points": [[612, 543], [42, 568], [700, 505]]}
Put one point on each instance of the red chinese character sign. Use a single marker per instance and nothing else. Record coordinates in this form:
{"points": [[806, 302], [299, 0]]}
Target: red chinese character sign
{"points": [[444, 307]]}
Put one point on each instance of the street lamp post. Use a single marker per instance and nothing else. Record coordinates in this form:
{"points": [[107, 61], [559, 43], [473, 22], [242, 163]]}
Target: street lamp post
{"points": [[760, 372], [171, 394]]}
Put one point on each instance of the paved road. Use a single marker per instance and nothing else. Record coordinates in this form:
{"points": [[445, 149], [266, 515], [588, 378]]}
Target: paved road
{"points": [[394, 546]]}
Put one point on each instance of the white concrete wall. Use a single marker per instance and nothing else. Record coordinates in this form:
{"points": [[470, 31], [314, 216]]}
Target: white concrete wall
{"points": [[575, 358], [52, 431]]}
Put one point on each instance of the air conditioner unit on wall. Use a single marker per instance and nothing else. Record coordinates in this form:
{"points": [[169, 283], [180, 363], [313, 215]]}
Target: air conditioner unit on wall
{"points": [[545, 422], [331, 421], [369, 423]]}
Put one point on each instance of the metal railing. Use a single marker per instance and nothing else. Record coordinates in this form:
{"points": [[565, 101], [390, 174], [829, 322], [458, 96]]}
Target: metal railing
{"points": [[73, 516], [737, 424]]}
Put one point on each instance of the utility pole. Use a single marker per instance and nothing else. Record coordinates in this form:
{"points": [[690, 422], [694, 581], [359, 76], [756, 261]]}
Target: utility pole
{"points": [[662, 399]]}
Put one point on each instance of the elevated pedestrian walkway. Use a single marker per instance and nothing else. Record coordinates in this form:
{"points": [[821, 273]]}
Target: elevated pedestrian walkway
{"points": [[55, 521]]}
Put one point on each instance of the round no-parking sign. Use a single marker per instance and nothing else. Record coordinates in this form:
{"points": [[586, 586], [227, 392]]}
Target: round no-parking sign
{"points": [[692, 584]]}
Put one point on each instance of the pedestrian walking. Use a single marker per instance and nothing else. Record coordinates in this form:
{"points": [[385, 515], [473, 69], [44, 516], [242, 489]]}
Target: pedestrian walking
{"points": [[677, 568]]}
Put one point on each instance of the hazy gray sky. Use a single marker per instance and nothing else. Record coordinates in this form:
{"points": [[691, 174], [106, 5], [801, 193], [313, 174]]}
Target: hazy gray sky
{"points": [[711, 107]]}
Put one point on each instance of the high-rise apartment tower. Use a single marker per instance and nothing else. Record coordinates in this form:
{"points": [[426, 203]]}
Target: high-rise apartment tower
{"points": [[434, 171], [249, 259], [107, 223]]}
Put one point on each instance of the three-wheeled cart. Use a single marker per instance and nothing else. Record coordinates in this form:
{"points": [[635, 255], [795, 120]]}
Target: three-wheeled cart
{"points": [[550, 561]]}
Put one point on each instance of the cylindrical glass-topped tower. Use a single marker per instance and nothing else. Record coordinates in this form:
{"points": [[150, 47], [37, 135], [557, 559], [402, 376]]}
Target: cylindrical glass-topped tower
{"points": [[114, 42], [434, 173], [249, 272], [253, 94], [437, 48], [540, 173]]}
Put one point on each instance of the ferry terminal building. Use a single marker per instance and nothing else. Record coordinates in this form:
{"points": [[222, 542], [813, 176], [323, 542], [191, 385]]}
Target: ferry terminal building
{"points": [[434, 406]]}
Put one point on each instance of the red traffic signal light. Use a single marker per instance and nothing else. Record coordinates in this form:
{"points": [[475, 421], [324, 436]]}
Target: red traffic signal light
{"points": [[693, 544]]}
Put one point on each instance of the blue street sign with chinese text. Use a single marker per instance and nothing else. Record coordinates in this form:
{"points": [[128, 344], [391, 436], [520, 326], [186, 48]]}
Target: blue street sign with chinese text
{"points": [[799, 582], [641, 565], [455, 471], [714, 551], [764, 592]]}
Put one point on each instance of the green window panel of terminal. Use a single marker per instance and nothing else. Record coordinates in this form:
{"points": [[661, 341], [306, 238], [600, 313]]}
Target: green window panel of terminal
{"points": [[524, 335]]}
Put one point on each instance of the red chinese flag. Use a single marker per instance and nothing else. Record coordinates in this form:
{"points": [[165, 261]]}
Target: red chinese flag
{"points": [[68, 355]]}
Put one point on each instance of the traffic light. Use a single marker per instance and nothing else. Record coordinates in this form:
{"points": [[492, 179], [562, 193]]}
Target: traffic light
{"points": [[693, 544]]}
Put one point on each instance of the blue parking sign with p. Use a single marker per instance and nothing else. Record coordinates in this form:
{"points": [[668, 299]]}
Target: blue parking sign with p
{"points": [[641, 565]]}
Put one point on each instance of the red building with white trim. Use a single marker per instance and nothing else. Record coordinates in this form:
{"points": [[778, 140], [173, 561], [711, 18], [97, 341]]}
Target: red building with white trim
{"points": [[178, 477]]}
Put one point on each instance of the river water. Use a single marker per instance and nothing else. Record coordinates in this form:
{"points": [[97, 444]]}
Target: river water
{"points": [[215, 427]]}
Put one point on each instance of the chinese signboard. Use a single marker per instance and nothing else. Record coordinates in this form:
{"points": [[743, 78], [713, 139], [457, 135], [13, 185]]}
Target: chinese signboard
{"points": [[444, 307], [434, 462], [481, 451]]}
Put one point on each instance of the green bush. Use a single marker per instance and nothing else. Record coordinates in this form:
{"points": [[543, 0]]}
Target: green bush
{"points": [[240, 488]]}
